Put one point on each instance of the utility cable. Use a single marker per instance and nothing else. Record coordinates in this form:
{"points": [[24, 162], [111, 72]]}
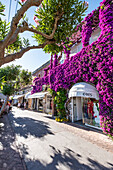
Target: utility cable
{"points": [[16, 7], [9, 10]]}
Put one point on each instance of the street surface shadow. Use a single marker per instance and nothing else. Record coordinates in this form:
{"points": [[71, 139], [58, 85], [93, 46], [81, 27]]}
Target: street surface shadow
{"points": [[25, 126], [9, 156], [67, 160], [49, 117], [78, 125], [84, 127], [110, 164]]}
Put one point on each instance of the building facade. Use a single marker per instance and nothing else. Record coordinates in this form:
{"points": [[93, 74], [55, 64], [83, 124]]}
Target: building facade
{"points": [[19, 97], [93, 64], [40, 101], [39, 72]]}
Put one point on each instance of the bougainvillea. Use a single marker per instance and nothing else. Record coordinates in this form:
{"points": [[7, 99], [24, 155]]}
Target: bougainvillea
{"points": [[94, 64]]}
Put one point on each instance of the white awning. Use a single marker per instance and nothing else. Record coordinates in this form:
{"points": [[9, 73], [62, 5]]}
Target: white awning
{"points": [[27, 95], [37, 95], [18, 96], [10, 97], [2, 96], [83, 89]]}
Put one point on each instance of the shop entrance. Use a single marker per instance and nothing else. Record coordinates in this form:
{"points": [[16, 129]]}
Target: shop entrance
{"points": [[40, 107], [85, 106], [77, 108]]}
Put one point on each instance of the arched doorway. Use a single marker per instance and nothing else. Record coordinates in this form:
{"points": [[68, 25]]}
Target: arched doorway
{"points": [[84, 104]]}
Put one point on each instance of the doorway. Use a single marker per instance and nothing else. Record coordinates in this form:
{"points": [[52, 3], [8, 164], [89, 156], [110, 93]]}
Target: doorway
{"points": [[74, 110]]}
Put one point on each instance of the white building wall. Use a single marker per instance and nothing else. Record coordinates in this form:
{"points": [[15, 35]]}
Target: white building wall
{"points": [[79, 108], [95, 35], [76, 48]]}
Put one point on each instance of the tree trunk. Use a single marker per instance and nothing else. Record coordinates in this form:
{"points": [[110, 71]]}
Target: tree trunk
{"points": [[4, 105]]}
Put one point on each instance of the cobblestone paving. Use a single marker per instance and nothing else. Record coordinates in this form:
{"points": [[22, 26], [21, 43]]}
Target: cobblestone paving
{"points": [[9, 156]]}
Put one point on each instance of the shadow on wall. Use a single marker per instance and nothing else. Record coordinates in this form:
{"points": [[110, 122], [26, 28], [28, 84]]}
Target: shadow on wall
{"points": [[24, 127], [67, 160]]}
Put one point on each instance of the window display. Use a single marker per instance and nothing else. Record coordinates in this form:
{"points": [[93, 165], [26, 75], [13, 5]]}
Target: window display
{"points": [[91, 112], [40, 107]]}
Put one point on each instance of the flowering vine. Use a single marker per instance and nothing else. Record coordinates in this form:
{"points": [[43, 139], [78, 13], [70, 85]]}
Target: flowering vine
{"points": [[93, 64], [55, 62]]}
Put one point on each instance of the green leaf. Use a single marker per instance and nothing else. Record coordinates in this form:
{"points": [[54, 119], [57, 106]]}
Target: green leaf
{"points": [[20, 3]]}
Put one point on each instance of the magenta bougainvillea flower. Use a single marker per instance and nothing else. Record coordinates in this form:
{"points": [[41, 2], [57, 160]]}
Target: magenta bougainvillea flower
{"points": [[93, 64]]}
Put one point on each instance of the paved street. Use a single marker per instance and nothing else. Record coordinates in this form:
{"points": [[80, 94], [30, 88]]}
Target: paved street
{"points": [[48, 145], [9, 156]]}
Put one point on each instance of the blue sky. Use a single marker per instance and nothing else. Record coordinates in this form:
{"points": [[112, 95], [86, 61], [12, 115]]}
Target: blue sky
{"points": [[34, 58]]}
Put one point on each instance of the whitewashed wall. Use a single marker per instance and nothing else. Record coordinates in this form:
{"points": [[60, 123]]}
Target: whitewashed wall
{"points": [[76, 48]]}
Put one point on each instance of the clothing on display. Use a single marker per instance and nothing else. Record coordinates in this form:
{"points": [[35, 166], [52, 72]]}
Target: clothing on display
{"points": [[90, 113]]}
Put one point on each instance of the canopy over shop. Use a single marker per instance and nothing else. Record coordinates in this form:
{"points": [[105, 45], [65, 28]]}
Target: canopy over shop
{"points": [[84, 103], [37, 95], [18, 99], [18, 96], [27, 95], [40, 101]]}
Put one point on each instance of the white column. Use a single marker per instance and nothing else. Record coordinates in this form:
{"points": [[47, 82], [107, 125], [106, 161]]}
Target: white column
{"points": [[37, 103], [72, 111]]}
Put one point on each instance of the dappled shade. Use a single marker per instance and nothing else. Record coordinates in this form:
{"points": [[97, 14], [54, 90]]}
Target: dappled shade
{"points": [[25, 126]]}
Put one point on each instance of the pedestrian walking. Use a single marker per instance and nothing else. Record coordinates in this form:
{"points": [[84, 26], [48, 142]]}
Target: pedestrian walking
{"points": [[24, 105]]}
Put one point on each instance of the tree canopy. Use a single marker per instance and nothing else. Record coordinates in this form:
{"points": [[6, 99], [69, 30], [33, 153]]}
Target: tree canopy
{"points": [[56, 20], [13, 78]]}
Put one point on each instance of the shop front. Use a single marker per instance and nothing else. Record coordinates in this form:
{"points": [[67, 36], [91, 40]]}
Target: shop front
{"points": [[49, 103], [41, 101], [19, 99], [84, 104]]}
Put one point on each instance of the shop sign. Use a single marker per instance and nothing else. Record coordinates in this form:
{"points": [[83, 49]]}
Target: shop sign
{"points": [[87, 94]]}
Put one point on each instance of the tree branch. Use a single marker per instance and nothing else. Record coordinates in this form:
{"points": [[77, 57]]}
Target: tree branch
{"points": [[14, 36], [49, 37], [17, 18], [12, 57], [21, 29]]}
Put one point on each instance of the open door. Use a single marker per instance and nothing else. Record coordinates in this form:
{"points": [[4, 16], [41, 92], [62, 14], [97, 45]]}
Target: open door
{"points": [[74, 110]]}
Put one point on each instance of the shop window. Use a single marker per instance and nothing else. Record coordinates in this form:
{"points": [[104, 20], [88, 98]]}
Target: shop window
{"points": [[91, 112], [95, 35], [40, 108]]}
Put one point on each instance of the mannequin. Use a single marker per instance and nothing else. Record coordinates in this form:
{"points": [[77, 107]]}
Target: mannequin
{"points": [[90, 110]]}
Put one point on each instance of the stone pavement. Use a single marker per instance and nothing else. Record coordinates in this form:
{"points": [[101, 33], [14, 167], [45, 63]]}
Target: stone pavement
{"points": [[49, 145], [9, 155], [92, 135]]}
